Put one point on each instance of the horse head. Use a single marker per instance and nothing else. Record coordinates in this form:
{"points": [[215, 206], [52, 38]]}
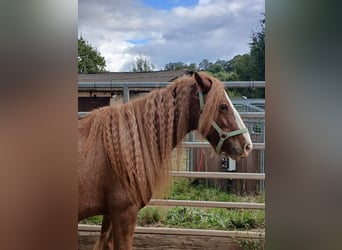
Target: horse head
{"points": [[219, 122]]}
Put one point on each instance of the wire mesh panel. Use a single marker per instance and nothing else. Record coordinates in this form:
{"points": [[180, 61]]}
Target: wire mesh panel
{"points": [[204, 158]]}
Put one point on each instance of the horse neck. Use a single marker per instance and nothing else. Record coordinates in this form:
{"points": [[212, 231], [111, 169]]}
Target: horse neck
{"points": [[161, 121], [165, 120]]}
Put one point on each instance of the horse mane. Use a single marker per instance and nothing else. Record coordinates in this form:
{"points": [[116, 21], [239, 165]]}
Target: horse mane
{"points": [[139, 136]]}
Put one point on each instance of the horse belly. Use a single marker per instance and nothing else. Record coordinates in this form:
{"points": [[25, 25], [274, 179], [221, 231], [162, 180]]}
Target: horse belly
{"points": [[91, 185]]}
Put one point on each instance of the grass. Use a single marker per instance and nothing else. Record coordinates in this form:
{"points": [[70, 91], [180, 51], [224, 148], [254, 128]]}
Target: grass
{"points": [[200, 218], [252, 244], [188, 189], [95, 220]]}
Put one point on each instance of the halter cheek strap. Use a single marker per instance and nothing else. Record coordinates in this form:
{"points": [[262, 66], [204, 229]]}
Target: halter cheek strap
{"points": [[223, 135]]}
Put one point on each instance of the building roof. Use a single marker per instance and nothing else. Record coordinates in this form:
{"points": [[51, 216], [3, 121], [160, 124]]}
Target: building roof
{"points": [[154, 76]]}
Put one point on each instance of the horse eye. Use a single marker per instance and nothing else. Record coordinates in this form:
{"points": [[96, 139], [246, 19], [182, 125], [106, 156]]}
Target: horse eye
{"points": [[223, 107]]}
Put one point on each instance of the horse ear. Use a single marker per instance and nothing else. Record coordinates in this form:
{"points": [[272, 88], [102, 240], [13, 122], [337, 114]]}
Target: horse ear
{"points": [[203, 82]]}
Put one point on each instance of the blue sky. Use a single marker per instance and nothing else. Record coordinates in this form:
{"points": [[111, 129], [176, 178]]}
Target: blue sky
{"points": [[168, 31], [169, 4], [138, 42]]}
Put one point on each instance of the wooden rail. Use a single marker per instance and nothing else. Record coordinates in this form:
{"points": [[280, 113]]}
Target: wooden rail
{"points": [[94, 229], [219, 175], [208, 204]]}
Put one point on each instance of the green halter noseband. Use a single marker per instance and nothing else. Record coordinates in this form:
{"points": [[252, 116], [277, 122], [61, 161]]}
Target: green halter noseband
{"points": [[223, 135]]}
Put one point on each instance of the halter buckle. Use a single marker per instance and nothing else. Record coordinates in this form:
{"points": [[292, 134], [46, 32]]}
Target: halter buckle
{"points": [[223, 136]]}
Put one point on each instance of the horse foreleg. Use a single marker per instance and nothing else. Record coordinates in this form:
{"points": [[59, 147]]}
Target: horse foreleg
{"points": [[105, 241], [123, 228]]}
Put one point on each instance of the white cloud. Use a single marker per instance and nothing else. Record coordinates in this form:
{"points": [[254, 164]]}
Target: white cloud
{"points": [[216, 29]]}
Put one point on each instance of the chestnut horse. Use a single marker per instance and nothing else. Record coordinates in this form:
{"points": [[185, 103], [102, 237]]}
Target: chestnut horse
{"points": [[125, 150]]}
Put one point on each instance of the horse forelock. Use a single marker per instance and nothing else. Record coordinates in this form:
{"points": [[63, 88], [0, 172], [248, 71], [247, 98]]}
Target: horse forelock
{"points": [[210, 110]]}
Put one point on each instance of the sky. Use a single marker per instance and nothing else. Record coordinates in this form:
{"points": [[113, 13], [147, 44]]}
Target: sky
{"points": [[167, 31]]}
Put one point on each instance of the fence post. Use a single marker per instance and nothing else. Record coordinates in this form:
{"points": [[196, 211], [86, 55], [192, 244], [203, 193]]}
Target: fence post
{"points": [[125, 94], [191, 153]]}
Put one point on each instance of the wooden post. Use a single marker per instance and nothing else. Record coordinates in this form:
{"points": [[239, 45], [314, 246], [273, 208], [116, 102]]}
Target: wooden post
{"points": [[125, 94]]}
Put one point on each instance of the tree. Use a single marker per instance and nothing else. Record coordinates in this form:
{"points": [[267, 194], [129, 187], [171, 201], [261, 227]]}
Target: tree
{"points": [[243, 66], [257, 51], [89, 59], [220, 73], [175, 66], [180, 66], [142, 64], [192, 66], [204, 65]]}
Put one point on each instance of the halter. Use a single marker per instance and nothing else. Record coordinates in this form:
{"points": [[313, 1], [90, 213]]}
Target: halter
{"points": [[223, 135]]}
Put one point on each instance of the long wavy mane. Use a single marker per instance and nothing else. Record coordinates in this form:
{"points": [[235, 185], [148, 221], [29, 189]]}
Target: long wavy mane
{"points": [[138, 137]]}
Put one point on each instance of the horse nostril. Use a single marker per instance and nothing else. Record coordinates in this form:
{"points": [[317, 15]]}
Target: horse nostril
{"points": [[248, 147]]}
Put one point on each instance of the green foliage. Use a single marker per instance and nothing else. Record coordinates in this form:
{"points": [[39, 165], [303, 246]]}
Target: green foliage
{"points": [[89, 59], [214, 218], [175, 66], [203, 218], [142, 64], [249, 244], [192, 66], [243, 66], [151, 215], [180, 66], [95, 220], [220, 73], [189, 189], [258, 51], [233, 93], [204, 65]]}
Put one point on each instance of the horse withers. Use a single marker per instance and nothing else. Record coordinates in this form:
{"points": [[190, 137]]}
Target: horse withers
{"points": [[125, 150]]}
